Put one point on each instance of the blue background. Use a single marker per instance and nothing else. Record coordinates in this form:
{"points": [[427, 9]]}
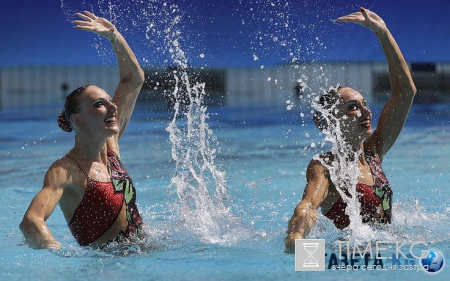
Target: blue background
{"points": [[228, 33]]}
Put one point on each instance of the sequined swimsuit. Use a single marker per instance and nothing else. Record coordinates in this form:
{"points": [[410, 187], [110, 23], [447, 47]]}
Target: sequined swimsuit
{"points": [[102, 203], [371, 198]]}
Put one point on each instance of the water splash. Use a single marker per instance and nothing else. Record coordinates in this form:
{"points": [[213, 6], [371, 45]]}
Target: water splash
{"points": [[411, 221], [204, 197], [203, 194], [290, 30], [144, 24], [204, 200], [342, 164]]}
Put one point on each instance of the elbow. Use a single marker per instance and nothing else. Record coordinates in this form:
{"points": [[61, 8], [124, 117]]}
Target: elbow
{"points": [[140, 77], [37, 236], [405, 91], [412, 90], [22, 226], [25, 224], [135, 77], [31, 223], [411, 93]]}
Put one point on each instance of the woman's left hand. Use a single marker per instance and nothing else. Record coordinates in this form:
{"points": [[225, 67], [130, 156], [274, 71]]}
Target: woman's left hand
{"points": [[365, 18]]}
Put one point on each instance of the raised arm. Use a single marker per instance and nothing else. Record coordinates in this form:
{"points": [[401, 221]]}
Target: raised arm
{"points": [[396, 109], [131, 74], [305, 214], [33, 226]]}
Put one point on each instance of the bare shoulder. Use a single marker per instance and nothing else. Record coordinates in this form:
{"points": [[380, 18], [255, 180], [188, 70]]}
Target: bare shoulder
{"points": [[60, 168], [319, 163], [320, 179], [317, 178], [55, 171], [68, 181], [63, 174]]}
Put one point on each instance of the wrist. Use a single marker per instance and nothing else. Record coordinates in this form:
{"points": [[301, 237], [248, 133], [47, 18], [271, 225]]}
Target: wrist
{"points": [[45, 243], [382, 31], [112, 35], [290, 239], [51, 244]]}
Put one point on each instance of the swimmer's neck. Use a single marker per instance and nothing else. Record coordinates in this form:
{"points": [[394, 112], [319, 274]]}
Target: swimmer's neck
{"points": [[89, 150], [353, 144]]}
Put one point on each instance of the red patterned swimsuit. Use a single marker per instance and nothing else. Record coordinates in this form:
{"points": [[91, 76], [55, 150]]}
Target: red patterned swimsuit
{"points": [[101, 204], [371, 198]]}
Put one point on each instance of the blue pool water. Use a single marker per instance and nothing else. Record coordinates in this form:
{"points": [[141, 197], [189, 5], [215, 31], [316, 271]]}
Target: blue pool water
{"points": [[262, 154]]}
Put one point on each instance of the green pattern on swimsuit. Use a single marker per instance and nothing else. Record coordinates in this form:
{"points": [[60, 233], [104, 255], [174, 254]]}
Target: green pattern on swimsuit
{"points": [[125, 186]]}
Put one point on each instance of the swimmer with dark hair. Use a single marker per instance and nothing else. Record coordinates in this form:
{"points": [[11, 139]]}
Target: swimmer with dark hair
{"points": [[345, 110], [90, 184]]}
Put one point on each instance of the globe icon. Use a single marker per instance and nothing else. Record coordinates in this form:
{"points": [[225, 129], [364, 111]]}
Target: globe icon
{"points": [[433, 262]]}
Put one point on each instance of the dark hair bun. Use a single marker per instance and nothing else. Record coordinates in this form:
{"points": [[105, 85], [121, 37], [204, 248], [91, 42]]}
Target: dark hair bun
{"points": [[63, 123], [319, 121]]}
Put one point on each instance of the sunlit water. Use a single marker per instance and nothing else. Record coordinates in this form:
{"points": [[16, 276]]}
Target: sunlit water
{"points": [[263, 153], [216, 186]]}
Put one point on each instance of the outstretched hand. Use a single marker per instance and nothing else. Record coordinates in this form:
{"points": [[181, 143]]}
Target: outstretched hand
{"points": [[365, 18], [95, 24]]}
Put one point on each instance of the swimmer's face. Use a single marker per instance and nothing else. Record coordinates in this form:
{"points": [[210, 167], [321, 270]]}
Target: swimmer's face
{"points": [[353, 113], [98, 113]]}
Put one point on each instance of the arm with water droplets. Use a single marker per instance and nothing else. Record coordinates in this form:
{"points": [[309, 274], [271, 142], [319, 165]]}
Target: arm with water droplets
{"points": [[33, 225], [130, 72], [305, 214], [396, 109]]}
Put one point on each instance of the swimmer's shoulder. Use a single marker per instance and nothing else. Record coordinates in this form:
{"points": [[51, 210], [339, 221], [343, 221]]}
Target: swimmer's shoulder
{"points": [[318, 165], [66, 178], [64, 173], [324, 159]]}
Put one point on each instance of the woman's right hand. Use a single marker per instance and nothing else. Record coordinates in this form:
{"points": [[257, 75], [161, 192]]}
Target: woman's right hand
{"points": [[97, 25]]}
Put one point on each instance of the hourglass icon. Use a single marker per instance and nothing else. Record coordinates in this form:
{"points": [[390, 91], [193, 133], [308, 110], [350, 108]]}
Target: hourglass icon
{"points": [[310, 248]]}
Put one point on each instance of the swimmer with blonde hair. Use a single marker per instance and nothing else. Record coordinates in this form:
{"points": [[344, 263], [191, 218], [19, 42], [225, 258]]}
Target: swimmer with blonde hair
{"points": [[92, 188]]}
